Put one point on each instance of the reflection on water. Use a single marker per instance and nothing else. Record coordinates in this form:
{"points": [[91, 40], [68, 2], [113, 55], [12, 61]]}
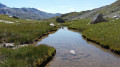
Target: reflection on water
{"points": [[74, 51]]}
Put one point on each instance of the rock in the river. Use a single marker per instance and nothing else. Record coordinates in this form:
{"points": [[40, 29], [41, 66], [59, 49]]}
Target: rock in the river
{"points": [[72, 51], [97, 18]]}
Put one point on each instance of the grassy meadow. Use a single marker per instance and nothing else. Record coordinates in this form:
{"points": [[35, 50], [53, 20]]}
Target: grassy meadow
{"points": [[106, 33], [22, 31]]}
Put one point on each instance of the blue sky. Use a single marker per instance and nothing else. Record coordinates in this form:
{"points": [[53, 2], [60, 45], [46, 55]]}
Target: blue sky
{"points": [[58, 6]]}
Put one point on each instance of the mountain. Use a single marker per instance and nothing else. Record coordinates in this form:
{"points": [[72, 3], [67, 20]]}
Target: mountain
{"points": [[108, 11], [1, 5], [26, 13]]}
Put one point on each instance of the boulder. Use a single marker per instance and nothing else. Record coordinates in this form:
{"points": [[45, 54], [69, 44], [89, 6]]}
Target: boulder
{"points": [[116, 17], [8, 45], [52, 24], [60, 20], [97, 18], [15, 17]]}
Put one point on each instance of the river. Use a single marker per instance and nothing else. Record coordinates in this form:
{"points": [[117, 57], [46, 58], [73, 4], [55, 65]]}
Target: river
{"points": [[72, 50]]}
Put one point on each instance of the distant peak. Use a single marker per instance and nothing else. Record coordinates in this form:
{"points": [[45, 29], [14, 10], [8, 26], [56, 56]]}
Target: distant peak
{"points": [[2, 5]]}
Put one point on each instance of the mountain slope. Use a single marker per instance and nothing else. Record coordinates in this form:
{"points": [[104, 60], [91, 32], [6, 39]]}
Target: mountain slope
{"points": [[108, 11], [26, 13]]}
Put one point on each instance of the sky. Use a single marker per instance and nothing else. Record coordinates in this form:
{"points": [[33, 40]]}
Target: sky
{"points": [[58, 6]]}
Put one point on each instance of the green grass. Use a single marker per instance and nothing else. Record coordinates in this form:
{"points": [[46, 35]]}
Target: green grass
{"points": [[107, 33], [7, 18], [29, 56], [23, 31]]}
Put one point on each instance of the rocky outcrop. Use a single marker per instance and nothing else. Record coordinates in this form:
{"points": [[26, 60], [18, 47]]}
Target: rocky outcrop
{"points": [[8, 45], [97, 18], [60, 20], [109, 11], [15, 17], [6, 21]]}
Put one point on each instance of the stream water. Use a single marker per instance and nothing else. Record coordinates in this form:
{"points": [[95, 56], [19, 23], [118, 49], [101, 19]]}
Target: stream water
{"points": [[72, 50]]}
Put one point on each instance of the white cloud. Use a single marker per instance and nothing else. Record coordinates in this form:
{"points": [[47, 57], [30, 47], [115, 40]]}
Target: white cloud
{"points": [[71, 9], [58, 10], [41, 9]]}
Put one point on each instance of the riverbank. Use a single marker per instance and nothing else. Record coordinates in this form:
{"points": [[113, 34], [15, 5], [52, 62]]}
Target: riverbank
{"points": [[29, 56], [105, 34], [102, 45], [75, 51], [14, 46], [19, 35], [22, 31], [98, 43]]}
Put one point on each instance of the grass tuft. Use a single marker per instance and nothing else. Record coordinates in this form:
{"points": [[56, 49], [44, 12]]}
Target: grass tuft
{"points": [[29, 56]]}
